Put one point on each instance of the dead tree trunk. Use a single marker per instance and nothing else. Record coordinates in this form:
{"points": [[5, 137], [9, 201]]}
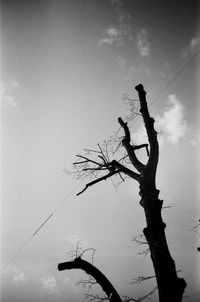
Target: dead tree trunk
{"points": [[90, 269], [170, 287]]}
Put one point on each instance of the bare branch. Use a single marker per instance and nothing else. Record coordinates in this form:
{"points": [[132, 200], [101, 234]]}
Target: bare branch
{"points": [[98, 180], [103, 155], [133, 107], [141, 240], [90, 282], [88, 249], [127, 299], [86, 160], [96, 297], [196, 226], [140, 279]]}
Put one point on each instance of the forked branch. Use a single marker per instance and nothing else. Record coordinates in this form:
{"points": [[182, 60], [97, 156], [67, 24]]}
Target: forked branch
{"points": [[87, 167]]}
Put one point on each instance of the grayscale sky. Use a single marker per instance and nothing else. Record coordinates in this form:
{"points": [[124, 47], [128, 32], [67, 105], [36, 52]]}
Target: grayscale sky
{"points": [[65, 66]]}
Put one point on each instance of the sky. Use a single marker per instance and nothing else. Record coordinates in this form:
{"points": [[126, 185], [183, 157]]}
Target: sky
{"points": [[65, 66]]}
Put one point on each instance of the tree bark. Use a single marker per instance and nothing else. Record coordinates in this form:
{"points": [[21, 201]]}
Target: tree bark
{"points": [[170, 287]]}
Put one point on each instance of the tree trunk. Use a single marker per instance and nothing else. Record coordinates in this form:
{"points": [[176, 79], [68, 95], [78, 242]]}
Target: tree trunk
{"points": [[170, 287]]}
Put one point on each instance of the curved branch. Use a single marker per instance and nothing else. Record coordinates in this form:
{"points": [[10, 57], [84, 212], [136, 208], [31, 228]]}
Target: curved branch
{"points": [[90, 269]]}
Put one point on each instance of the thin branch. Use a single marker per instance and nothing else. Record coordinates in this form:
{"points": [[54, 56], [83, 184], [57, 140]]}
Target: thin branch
{"points": [[91, 150], [96, 297], [196, 226], [101, 168], [87, 160], [127, 299], [88, 249], [98, 180], [140, 240], [140, 279], [87, 283], [103, 156]]}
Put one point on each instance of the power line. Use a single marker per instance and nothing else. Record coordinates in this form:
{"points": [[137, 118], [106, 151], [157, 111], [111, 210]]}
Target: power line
{"points": [[175, 76], [170, 82], [17, 252], [30, 238]]}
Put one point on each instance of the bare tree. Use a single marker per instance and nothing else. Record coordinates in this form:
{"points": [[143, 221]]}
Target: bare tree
{"points": [[170, 286]]}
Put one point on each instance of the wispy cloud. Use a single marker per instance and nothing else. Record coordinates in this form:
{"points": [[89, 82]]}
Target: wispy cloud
{"points": [[112, 35], [6, 95], [194, 140], [143, 43], [49, 284], [121, 30], [192, 46], [116, 2], [172, 124], [20, 278]]}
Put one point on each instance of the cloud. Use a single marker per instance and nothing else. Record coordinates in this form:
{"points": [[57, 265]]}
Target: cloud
{"points": [[140, 136], [143, 44], [121, 30], [112, 35], [172, 124], [6, 95], [49, 284], [192, 46], [116, 2], [195, 140], [20, 278]]}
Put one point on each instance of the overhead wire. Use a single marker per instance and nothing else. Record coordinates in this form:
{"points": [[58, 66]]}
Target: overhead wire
{"points": [[175, 76], [67, 198], [31, 237], [169, 83]]}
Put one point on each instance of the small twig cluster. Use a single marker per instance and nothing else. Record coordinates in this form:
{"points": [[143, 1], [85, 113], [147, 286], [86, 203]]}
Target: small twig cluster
{"points": [[79, 252], [133, 107], [142, 298], [141, 240]]}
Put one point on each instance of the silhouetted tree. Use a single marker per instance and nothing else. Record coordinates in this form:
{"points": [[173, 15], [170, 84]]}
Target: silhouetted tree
{"points": [[170, 286]]}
